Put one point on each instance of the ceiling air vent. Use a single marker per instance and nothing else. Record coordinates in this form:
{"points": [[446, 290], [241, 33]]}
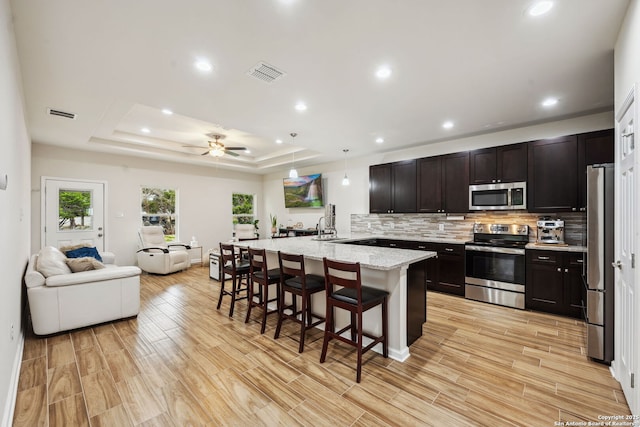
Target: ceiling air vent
{"points": [[59, 113], [265, 72]]}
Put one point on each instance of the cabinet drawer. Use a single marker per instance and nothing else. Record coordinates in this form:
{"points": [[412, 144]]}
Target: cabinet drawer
{"points": [[576, 259], [450, 249], [544, 257]]}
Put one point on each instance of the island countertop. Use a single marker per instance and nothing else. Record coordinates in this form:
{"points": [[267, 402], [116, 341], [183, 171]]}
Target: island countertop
{"points": [[375, 258]]}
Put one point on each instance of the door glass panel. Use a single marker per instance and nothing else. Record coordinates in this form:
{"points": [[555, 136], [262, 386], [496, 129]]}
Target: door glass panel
{"points": [[75, 210]]}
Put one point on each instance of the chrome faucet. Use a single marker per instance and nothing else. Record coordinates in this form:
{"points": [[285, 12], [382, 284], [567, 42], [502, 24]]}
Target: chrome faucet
{"points": [[320, 227]]}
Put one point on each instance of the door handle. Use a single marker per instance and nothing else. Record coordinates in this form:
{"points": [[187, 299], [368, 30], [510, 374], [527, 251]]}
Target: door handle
{"points": [[617, 264]]}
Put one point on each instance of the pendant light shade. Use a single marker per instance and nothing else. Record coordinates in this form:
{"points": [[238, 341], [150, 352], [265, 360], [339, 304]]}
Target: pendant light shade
{"points": [[345, 180], [293, 173]]}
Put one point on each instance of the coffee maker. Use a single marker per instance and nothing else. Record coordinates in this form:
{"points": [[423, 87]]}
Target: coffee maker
{"points": [[550, 231]]}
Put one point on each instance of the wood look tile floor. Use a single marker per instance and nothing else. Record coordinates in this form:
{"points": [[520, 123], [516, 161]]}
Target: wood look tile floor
{"points": [[182, 362]]}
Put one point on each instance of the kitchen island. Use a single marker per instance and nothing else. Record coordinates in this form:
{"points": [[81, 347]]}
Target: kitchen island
{"points": [[401, 272]]}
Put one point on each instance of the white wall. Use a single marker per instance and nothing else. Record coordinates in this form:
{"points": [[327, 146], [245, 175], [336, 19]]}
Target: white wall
{"points": [[627, 56], [204, 195], [354, 199], [14, 213]]}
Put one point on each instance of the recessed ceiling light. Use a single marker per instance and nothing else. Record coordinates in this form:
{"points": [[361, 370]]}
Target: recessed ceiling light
{"points": [[301, 106], [549, 102], [379, 140], [167, 111], [383, 72], [145, 130], [447, 124], [540, 8], [278, 141], [203, 65]]}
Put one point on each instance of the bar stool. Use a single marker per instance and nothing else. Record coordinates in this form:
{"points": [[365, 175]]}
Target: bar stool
{"points": [[356, 299], [258, 273], [302, 285], [236, 268]]}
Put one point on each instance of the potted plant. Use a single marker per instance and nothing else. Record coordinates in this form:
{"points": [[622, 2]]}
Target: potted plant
{"points": [[274, 221]]}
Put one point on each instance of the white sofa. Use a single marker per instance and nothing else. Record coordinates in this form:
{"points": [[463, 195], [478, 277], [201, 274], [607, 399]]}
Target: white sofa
{"points": [[67, 301]]}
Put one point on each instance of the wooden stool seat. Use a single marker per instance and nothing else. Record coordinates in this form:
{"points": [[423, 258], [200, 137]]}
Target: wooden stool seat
{"points": [[259, 273], [233, 265], [355, 298], [299, 284]]}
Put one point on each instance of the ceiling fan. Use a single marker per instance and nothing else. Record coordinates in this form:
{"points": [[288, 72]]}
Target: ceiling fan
{"points": [[217, 148]]}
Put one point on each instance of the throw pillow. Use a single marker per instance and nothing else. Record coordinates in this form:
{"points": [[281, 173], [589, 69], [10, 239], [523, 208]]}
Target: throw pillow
{"points": [[84, 252], [51, 262], [84, 264], [65, 249]]}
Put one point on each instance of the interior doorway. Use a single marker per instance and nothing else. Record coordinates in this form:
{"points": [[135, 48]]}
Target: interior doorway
{"points": [[73, 212]]}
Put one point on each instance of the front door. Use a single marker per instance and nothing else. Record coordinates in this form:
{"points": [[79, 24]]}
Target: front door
{"points": [[73, 212], [626, 298]]}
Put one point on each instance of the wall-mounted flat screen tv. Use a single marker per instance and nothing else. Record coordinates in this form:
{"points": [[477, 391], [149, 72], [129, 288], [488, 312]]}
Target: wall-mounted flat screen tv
{"points": [[303, 192]]}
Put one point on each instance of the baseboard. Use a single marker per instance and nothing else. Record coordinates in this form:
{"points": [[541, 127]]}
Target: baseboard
{"points": [[10, 404]]}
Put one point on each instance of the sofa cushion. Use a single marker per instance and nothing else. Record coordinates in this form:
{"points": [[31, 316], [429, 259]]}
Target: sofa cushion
{"points": [[85, 277], [84, 264], [84, 252], [52, 262]]}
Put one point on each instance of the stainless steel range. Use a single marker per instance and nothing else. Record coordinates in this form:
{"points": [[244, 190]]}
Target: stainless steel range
{"points": [[495, 264]]}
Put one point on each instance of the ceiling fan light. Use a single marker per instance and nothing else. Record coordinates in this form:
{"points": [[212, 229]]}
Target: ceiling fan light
{"points": [[217, 152]]}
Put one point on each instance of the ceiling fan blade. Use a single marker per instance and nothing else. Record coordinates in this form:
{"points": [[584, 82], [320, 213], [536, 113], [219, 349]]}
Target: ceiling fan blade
{"points": [[205, 153], [231, 153], [235, 148], [192, 146]]}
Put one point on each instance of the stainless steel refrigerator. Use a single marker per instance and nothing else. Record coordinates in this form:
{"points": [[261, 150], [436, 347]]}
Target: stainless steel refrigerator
{"points": [[599, 281]]}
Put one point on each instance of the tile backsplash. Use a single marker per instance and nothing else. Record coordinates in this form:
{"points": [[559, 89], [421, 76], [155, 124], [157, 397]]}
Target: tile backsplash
{"points": [[460, 227]]}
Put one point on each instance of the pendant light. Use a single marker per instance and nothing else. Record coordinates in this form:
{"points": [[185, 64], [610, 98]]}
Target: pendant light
{"points": [[345, 180], [293, 173]]}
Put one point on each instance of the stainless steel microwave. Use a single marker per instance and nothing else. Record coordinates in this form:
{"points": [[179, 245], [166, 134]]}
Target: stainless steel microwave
{"points": [[497, 197]]}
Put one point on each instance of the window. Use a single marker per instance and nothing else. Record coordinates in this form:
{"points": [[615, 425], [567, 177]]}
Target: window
{"points": [[244, 209], [74, 210], [158, 207]]}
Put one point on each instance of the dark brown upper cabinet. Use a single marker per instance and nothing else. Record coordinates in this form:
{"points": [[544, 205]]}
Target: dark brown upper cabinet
{"points": [[593, 148], [507, 163], [443, 183], [392, 187], [430, 198], [557, 170], [553, 175]]}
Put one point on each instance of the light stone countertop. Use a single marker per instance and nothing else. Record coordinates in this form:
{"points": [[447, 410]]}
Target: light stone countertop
{"points": [[368, 256], [551, 247]]}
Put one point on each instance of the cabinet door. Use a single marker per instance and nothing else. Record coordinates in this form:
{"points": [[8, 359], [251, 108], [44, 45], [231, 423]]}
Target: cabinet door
{"points": [[553, 172], [455, 182], [544, 288], [451, 269], [511, 163], [403, 187], [483, 166], [430, 184], [593, 148], [573, 285], [380, 188]]}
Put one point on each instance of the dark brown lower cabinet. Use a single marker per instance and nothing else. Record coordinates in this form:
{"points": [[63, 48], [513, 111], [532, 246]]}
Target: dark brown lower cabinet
{"points": [[416, 300], [554, 282], [445, 273]]}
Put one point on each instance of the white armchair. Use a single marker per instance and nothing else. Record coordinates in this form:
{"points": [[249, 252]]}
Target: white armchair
{"points": [[159, 257]]}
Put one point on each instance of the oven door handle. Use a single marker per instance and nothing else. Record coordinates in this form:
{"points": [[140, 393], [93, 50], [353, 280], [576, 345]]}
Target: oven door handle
{"points": [[495, 249]]}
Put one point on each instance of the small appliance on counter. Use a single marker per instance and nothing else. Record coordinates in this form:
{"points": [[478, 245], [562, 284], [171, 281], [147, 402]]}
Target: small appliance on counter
{"points": [[550, 231]]}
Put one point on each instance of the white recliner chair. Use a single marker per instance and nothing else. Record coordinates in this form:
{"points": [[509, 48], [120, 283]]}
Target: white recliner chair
{"points": [[159, 257]]}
